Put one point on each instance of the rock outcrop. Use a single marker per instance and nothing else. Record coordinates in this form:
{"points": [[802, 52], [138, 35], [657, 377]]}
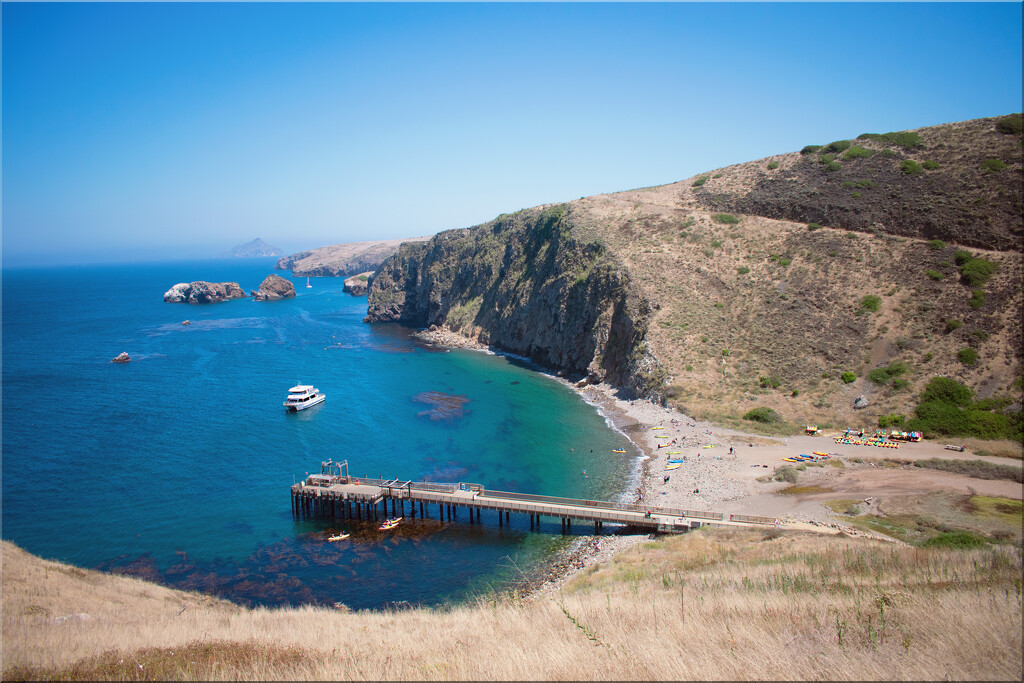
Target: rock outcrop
{"points": [[524, 283], [202, 292], [120, 358], [274, 287], [358, 285], [342, 260]]}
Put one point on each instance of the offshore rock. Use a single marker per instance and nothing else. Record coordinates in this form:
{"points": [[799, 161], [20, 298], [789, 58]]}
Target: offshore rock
{"points": [[526, 284], [358, 285], [120, 358], [274, 287], [202, 292]]}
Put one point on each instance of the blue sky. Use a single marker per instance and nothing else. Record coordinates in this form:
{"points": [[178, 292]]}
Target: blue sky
{"points": [[139, 131]]}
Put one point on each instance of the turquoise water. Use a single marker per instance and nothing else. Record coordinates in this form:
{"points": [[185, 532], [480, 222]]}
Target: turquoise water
{"points": [[177, 465]]}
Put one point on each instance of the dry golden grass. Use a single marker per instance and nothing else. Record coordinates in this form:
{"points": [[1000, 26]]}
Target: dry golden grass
{"points": [[723, 604]]}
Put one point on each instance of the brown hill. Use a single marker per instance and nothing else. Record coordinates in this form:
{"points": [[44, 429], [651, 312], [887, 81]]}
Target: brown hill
{"points": [[744, 310], [341, 260]]}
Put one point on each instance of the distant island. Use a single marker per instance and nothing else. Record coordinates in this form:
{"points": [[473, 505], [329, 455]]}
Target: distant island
{"points": [[255, 249], [342, 260]]}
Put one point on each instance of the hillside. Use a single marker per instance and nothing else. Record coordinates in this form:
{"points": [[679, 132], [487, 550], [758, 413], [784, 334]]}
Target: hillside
{"points": [[749, 305], [341, 260], [712, 604], [257, 248]]}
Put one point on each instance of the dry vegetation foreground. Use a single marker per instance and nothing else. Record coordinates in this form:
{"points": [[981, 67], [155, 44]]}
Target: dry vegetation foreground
{"points": [[712, 604]]}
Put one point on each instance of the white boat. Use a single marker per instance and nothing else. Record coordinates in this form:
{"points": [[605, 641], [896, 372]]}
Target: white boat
{"points": [[303, 396], [308, 286]]}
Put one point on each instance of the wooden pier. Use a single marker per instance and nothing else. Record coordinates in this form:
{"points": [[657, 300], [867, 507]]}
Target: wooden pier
{"points": [[335, 494]]}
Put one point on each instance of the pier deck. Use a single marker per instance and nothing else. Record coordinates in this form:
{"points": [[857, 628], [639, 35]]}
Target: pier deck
{"points": [[334, 493]]}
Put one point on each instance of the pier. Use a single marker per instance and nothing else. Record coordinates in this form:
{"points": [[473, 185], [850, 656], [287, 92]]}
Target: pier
{"points": [[335, 494]]}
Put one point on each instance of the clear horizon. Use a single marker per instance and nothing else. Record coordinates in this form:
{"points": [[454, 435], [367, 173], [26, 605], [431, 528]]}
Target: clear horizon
{"points": [[135, 132]]}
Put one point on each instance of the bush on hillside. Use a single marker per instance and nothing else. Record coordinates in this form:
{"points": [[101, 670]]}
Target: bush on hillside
{"points": [[911, 167], [813, 226], [785, 473], [858, 152], [905, 139], [743, 270], [934, 274], [837, 146], [883, 375], [848, 377], [976, 271], [1010, 125], [930, 165], [967, 356], [937, 245], [957, 540], [992, 165], [961, 257], [772, 165], [891, 420], [977, 299], [725, 218], [763, 415], [947, 390], [952, 325], [871, 302], [810, 149], [700, 181], [833, 166]]}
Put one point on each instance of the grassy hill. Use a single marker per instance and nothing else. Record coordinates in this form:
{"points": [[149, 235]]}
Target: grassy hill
{"points": [[712, 604], [771, 279]]}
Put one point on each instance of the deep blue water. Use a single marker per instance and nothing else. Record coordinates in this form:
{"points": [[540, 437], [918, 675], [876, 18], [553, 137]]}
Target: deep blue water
{"points": [[177, 465]]}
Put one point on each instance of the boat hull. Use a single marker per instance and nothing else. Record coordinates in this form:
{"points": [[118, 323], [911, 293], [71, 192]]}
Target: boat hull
{"points": [[295, 407]]}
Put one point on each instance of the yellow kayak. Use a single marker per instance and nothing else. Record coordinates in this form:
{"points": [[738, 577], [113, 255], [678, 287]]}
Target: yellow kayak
{"points": [[673, 465], [616, 450], [657, 427]]}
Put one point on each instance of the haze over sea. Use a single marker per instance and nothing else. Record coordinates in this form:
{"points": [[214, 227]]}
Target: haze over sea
{"points": [[177, 465]]}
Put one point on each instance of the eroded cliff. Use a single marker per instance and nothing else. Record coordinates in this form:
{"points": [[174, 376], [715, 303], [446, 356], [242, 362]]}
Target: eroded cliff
{"points": [[526, 284]]}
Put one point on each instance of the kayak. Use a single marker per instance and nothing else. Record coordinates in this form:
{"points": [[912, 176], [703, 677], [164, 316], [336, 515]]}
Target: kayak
{"points": [[820, 453], [673, 466], [657, 427], [389, 524], [791, 460], [659, 436], [339, 537], [674, 461], [714, 445], [617, 450], [674, 453]]}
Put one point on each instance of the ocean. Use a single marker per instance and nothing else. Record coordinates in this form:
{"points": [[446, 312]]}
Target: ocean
{"points": [[176, 466]]}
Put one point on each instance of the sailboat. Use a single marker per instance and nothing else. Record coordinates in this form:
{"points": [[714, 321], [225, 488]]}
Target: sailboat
{"points": [[308, 286]]}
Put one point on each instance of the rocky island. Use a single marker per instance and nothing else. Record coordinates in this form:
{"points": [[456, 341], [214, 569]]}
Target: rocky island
{"points": [[254, 249], [202, 292], [357, 285], [274, 287]]}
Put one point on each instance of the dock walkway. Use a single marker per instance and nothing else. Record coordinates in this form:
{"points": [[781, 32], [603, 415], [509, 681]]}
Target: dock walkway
{"points": [[335, 494]]}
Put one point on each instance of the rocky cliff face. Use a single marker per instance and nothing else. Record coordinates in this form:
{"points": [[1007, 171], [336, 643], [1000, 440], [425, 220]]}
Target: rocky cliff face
{"points": [[358, 285], [524, 283], [202, 292]]}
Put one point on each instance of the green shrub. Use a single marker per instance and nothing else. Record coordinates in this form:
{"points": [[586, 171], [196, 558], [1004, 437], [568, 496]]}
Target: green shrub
{"points": [[977, 299], [900, 384], [813, 226], [858, 152], [980, 335], [952, 325], [826, 158], [992, 165], [700, 181], [743, 270], [911, 167], [976, 271], [848, 377], [1010, 125], [867, 184], [930, 165], [796, 392], [837, 146], [956, 540], [891, 420], [871, 302], [883, 375], [936, 245], [904, 139], [770, 382], [810, 149], [947, 390], [934, 274], [725, 218], [764, 415], [833, 166], [772, 165], [887, 153], [855, 195], [967, 356], [961, 257]]}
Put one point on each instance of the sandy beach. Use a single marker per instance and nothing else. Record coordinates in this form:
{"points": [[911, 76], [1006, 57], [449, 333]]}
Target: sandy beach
{"points": [[725, 470]]}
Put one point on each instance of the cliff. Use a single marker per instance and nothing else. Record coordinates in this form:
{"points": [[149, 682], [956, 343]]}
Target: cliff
{"points": [[341, 260], [202, 292], [740, 300], [523, 283]]}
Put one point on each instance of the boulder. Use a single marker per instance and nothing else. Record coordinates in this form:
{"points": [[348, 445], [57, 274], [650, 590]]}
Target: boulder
{"points": [[275, 287], [202, 292], [120, 358], [860, 403]]}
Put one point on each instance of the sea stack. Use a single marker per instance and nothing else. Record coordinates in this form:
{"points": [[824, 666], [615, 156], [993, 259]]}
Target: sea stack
{"points": [[357, 285], [273, 288], [120, 358]]}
